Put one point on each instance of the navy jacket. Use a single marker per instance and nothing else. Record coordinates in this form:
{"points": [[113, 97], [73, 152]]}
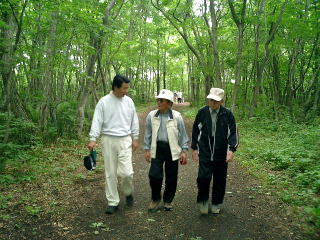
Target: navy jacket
{"points": [[214, 147]]}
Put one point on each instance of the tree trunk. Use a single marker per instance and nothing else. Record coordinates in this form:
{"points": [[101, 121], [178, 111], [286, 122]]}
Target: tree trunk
{"points": [[48, 90], [10, 42], [164, 69], [261, 65], [214, 41], [240, 26], [84, 95], [276, 78], [95, 42], [158, 66]]}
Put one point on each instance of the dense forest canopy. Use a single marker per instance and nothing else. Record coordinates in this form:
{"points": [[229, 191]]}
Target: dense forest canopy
{"points": [[58, 57]]}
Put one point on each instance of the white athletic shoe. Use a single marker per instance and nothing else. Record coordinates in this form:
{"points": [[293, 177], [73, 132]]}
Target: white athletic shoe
{"points": [[204, 207], [215, 209]]}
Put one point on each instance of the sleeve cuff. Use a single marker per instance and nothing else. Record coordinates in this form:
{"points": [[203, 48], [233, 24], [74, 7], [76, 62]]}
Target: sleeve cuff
{"points": [[135, 137], [232, 149]]}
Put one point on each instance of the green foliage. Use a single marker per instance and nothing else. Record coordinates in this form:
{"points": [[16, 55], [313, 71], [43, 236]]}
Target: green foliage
{"points": [[97, 225], [66, 119], [290, 153], [4, 201], [21, 135], [314, 218], [190, 112], [33, 210]]}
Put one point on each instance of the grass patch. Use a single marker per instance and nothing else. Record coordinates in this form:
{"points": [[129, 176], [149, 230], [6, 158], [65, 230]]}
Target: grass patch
{"points": [[286, 156]]}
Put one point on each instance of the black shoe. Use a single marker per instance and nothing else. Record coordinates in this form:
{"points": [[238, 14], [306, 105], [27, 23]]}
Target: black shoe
{"points": [[129, 200], [111, 209]]}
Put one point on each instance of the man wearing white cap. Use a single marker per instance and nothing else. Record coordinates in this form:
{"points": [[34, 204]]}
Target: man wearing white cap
{"points": [[165, 142], [214, 140]]}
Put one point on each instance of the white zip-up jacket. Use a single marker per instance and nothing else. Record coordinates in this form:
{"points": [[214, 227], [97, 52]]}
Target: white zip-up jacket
{"points": [[177, 137], [114, 116]]}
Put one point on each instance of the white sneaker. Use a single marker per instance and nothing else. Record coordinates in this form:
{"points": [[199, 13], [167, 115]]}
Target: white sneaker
{"points": [[215, 208], [204, 207]]}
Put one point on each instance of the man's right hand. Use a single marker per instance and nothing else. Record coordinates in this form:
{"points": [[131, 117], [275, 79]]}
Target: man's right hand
{"points": [[147, 155], [195, 155], [91, 145]]}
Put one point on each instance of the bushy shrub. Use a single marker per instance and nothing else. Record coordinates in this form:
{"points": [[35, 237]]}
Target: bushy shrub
{"points": [[66, 119], [21, 134]]}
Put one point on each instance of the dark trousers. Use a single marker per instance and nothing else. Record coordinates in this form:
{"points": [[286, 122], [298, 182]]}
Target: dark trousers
{"points": [[163, 157], [207, 170]]}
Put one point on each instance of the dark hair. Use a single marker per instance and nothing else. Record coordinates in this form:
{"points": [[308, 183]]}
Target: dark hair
{"points": [[118, 80]]}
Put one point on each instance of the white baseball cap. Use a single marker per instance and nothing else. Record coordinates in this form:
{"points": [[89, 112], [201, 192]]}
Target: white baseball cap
{"points": [[216, 94], [166, 94]]}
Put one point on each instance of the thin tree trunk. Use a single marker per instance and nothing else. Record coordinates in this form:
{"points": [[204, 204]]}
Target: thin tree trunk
{"points": [[164, 73], [47, 80], [214, 39], [10, 42], [240, 26], [158, 66], [261, 65], [95, 42]]}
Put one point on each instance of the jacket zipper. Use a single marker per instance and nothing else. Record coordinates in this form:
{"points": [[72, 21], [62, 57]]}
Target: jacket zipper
{"points": [[214, 137]]}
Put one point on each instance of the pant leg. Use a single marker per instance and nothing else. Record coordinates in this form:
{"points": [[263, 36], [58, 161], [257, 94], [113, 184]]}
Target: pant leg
{"points": [[203, 180], [155, 178], [125, 168], [219, 181], [171, 172], [110, 156]]}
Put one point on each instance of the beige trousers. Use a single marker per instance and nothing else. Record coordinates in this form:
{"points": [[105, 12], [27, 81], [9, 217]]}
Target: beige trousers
{"points": [[117, 155]]}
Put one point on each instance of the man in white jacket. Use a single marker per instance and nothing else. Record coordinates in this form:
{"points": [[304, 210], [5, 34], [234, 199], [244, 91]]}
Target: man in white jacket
{"points": [[115, 119], [165, 143]]}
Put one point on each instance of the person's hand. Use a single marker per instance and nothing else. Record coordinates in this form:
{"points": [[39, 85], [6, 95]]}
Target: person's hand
{"points": [[183, 158], [195, 156], [229, 156], [135, 144], [91, 145], [147, 155]]}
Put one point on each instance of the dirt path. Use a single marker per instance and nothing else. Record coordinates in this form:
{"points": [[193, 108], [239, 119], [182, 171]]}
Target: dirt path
{"points": [[247, 213]]}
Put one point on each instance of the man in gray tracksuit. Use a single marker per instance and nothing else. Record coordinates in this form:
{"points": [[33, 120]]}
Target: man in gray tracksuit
{"points": [[214, 140]]}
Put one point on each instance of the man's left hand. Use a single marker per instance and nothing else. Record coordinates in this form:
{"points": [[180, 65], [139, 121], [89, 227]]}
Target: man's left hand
{"points": [[135, 144], [229, 156]]}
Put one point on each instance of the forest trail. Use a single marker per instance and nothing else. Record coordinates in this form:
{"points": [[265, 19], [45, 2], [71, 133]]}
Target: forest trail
{"points": [[247, 212]]}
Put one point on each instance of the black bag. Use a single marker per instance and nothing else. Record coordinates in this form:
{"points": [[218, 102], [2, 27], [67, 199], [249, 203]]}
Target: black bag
{"points": [[89, 161]]}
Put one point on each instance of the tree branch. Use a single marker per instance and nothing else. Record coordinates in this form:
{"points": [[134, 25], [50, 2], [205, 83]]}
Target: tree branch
{"points": [[274, 26]]}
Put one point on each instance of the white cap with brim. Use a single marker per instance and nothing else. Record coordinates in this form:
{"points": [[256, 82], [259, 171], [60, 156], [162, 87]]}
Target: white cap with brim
{"points": [[166, 94], [216, 94]]}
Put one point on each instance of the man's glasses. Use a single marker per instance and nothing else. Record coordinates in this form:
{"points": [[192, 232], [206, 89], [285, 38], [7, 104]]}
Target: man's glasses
{"points": [[160, 100]]}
